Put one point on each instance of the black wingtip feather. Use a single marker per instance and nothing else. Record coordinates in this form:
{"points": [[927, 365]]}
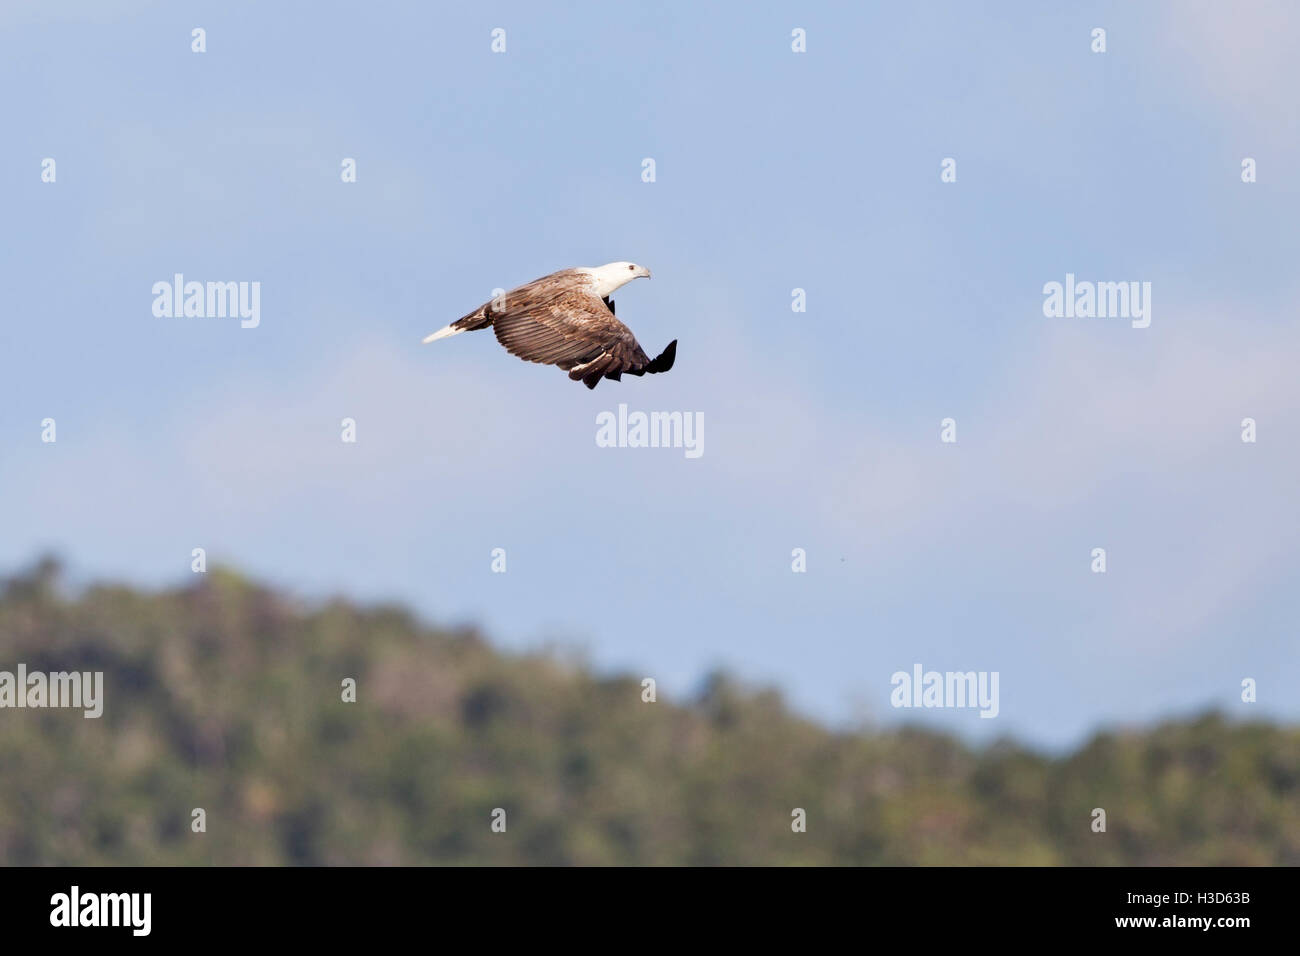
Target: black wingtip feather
{"points": [[664, 360]]}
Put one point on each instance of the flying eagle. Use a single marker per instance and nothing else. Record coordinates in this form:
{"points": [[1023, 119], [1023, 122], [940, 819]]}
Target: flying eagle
{"points": [[567, 319]]}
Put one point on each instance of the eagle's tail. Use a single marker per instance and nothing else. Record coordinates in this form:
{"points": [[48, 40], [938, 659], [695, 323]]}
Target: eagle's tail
{"points": [[478, 319]]}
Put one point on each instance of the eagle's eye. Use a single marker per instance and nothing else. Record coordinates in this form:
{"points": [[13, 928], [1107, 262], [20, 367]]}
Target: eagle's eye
{"points": [[630, 268]]}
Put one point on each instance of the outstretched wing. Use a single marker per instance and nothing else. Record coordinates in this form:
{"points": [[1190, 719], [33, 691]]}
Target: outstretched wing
{"points": [[564, 324]]}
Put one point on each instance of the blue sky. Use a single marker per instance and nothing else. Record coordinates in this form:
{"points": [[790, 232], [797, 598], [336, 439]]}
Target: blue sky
{"points": [[774, 170]]}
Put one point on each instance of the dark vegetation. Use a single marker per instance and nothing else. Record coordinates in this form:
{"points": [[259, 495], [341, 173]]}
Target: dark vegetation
{"points": [[227, 696]]}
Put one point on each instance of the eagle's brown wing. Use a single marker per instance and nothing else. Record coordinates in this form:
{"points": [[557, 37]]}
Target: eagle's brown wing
{"points": [[561, 323]]}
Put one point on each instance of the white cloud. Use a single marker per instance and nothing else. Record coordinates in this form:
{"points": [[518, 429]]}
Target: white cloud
{"points": [[1244, 53]]}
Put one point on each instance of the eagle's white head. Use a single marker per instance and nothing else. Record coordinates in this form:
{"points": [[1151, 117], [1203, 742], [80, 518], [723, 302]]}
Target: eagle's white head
{"points": [[615, 275]]}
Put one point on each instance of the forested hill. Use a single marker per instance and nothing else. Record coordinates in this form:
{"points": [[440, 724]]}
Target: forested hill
{"points": [[228, 697]]}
